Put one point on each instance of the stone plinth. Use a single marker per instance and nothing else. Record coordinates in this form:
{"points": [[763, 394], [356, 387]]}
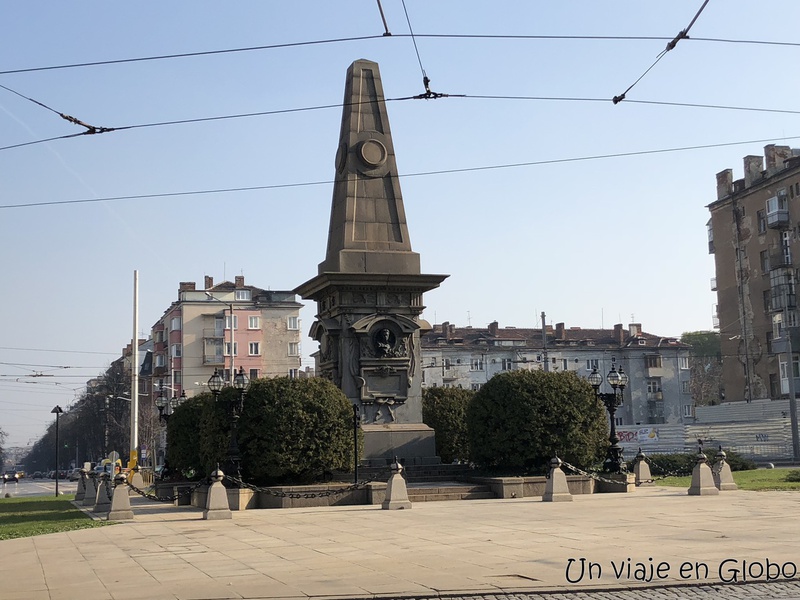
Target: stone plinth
{"points": [[556, 488], [702, 479], [396, 491], [120, 509], [217, 500], [618, 483]]}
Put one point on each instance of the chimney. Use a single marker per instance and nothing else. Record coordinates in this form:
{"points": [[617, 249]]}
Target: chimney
{"points": [[209, 282], [239, 281], [446, 330], [635, 329], [559, 331], [619, 334], [493, 327], [724, 182], [753, 165], [186, 286], [452, 329], [776, 156]]}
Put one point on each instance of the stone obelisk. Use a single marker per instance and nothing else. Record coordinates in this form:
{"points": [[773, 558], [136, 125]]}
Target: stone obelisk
{"points": [[369, 287]]}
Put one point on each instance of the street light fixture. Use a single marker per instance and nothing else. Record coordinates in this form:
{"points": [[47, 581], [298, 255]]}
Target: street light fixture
{"points": [[617, 379], [167, 407], [241, 382], [57, 410]]}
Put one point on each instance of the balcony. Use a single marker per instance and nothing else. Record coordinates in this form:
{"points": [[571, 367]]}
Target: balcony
{"points": [[213, 359], [780, 299], [778, 212], [713, 284], [780, 259], [214, 333], [780, 345]]}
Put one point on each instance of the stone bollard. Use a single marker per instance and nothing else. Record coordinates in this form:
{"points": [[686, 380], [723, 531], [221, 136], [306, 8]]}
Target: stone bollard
{"points": [[723, 478], [91, 490], [642, 471], [396, 492], [217, 506], [136, 481], [556, 488], [81, 493], [702, 479], [120, 501], [102, 502]]}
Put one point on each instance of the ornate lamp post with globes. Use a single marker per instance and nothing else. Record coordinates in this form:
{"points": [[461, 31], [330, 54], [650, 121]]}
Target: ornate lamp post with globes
{"points": [[234, 407], [617, 379]]}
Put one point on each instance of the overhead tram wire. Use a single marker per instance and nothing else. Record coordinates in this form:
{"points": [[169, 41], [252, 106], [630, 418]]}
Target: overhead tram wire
{"points": [[612, 38], [683, 34], [427, 95], [408, 175]]}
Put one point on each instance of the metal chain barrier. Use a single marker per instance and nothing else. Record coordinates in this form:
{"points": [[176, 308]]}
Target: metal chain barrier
{"points": [[594, 476], [172, 498], [355, 486]]}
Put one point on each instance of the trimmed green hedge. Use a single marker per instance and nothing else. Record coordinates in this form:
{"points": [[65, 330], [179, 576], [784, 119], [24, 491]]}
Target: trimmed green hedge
{"points": [[290, 431], [520, 419], [445, 410], [683, 463]]}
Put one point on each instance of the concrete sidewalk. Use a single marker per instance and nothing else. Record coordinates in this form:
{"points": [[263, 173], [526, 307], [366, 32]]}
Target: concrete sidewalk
{"points": [[491, 547]]}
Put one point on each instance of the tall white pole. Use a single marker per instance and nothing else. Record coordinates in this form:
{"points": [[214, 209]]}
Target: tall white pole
{"points": [[233, 347], [134, 457]]}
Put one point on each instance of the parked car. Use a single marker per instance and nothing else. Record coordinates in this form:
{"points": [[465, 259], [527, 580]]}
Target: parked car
{"points": [[37, 475], [74, 475], [10, 477]]}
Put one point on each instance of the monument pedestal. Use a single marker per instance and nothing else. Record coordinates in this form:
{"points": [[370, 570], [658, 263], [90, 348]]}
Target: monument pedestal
{"points": [[413, 443]]}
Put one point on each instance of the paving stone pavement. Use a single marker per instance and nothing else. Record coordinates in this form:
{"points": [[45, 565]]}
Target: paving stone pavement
{"points": [[519, 549]]}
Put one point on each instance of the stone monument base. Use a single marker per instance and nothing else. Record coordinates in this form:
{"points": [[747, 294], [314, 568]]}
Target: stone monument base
{"points": [[414, 443], [627, 483]]}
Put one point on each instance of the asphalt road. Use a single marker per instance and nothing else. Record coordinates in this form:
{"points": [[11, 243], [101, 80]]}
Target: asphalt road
{"points": [[37, 487]]}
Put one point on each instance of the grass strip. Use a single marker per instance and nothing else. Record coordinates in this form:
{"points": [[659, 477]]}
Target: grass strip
{"points": [[38, 515], [759, 480]]}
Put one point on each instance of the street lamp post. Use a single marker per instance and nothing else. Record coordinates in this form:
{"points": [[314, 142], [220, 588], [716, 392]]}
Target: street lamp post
{"points": [[617, 379], [356, 423], [234, 408], [57, 410]]}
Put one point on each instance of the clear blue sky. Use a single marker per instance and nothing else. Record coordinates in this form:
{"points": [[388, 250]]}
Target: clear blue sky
{"points": [[591, 243]]}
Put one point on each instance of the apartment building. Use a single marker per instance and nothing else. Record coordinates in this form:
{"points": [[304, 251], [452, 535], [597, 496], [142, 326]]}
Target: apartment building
{"points": [[752, 234], [657, 367], [227, 326]]}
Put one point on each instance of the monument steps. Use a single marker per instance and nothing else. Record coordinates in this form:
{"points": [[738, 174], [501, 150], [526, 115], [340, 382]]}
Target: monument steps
{"points": [[448, 491]]}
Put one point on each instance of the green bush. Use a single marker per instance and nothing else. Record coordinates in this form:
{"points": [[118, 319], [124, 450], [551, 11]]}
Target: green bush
{"points": [[520, 419], [183, 449], [295, 431], [793, 475], [445, 410]]}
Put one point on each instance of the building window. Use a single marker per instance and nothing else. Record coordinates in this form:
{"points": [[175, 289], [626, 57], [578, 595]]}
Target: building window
{"points": [[764, 260], [228, 321], [160, 360], [761, 215], [653, 385], [293, 323], [253, 373], [476, 364], [177, 378], [769, 342], [655, 411], [653, 361], [619, 421], [592, 364], [294, 373], [767, 299], [242, 295], [294, 349], [227, 350], [774, 386], [175, 324], [433, 361], [254, 349], [506, 364], [687, 410], [684, 387], [476, 386], [176, 350], [683, 362], [254, 322]]}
